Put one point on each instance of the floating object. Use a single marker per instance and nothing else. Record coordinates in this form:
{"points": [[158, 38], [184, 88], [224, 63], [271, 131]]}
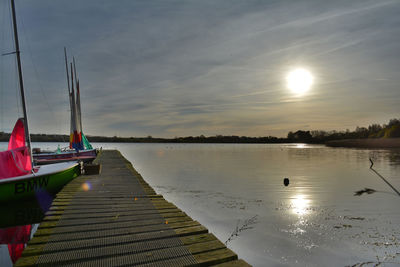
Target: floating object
{"points": [[286, 181], [366, 190]]}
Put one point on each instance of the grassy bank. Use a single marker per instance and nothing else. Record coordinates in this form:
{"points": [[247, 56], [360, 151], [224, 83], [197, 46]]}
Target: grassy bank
{"points": [[366, 143]]}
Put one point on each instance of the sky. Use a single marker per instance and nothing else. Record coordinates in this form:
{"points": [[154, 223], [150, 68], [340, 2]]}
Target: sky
{"points": [[170, 68]]}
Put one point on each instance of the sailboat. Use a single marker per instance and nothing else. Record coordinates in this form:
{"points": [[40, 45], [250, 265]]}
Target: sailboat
{"points": [[80, 148], [19, 177]]}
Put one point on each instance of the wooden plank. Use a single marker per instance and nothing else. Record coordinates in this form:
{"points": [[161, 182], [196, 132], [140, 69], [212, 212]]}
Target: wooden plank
{"points": [[174, 222], [116, 215], [215, 257], [166, 216], [193, 239], [238, 263], [35, 249], [202, 247], [109, 212], [121, 221]]}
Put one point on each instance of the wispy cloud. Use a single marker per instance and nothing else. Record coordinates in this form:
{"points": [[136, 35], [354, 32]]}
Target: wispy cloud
{"points": [[167, 68]]}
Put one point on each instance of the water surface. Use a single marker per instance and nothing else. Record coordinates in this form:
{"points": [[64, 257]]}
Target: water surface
{"points": [[315, 221]]}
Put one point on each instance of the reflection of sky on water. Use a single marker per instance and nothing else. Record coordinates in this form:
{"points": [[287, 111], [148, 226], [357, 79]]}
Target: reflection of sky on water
{"points": [[315, 221]]}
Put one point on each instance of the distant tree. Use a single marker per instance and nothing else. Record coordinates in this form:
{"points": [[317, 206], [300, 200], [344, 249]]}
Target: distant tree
{"points": [[393, 131], [361, 132], [301, 136], [290, 135], [374, 130], [393, 122]]}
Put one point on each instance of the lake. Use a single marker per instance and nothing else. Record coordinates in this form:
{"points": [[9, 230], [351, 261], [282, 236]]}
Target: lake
{"points": [[237, 192]]}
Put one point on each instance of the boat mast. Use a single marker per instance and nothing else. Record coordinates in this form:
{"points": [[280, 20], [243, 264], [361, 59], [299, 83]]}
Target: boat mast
{"points": [[70, 99], [21, 83], [66, 68]]}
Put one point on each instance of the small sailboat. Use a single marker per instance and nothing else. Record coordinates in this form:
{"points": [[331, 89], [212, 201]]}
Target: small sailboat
{"points": [[19, 177], [80, 148]]}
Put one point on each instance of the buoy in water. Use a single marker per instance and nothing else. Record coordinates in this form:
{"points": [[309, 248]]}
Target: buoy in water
{"points": [[286, 181]]}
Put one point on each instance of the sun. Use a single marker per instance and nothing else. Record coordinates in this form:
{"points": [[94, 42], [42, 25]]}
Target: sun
{"points": [[299, 81]]}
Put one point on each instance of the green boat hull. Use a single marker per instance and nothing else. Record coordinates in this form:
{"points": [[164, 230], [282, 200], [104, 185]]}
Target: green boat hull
{"points": [[35, 186]]}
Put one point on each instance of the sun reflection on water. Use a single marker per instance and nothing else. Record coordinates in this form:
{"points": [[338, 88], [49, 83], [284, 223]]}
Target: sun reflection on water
{"points": [[300, 145], [300, 205]]}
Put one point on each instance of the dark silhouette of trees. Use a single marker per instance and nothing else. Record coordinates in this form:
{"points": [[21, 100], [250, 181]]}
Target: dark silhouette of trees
{"points": [[391, 130], [300, 136]]}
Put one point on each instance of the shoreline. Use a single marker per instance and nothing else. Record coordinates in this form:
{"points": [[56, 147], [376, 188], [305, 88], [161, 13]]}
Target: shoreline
{"points": [[372, 143], [369, 143]]}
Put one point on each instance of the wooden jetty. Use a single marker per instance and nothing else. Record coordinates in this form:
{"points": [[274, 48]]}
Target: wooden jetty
{"points": [[116, 219]]}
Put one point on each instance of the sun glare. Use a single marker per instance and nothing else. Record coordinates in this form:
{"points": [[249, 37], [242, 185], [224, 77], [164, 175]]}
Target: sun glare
{"points": [[300, 205], [299, 81]]}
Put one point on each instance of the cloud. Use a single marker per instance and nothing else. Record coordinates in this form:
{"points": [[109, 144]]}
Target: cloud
{"points": [[166, 68]]}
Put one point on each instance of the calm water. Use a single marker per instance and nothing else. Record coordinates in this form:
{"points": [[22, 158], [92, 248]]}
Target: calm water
{"points": [[315, 221]]}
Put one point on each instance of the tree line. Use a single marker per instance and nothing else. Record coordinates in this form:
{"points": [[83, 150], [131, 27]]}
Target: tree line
{"points": [[390, 130]]}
